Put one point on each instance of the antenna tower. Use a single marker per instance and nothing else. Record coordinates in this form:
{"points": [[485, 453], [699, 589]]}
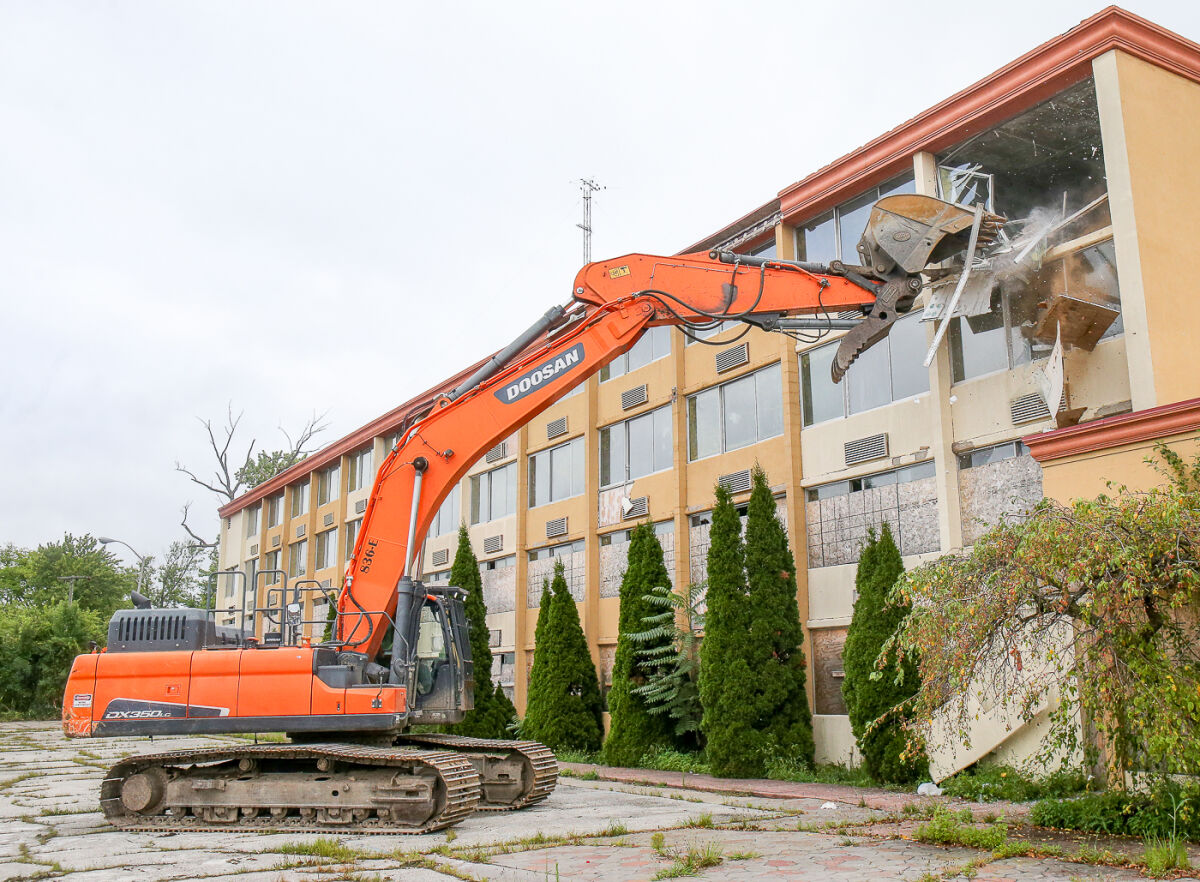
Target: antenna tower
{"points": [[587, 187]]}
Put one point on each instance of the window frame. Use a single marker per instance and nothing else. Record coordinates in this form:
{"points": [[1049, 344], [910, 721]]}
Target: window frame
{"points": [[300, 493], [720, 389], [297, 567], [325, 540], [889, 187], [624, 424], [352, 528], [252, 514], [357, 466], [328, 481], [577, 467], [659, 335], [477, 496], [275, 510]]}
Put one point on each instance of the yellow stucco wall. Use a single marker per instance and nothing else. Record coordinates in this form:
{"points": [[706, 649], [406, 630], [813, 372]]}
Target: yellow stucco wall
{"points": [[1086, 475]]}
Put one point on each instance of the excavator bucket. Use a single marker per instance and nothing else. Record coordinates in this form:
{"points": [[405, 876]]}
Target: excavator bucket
{"points": [[905, 235], [910, 232]]}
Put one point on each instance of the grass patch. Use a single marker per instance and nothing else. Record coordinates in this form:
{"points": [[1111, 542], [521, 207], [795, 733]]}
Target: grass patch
{"points": [[324, 847], [956, 828], [743, 855], [9, 782], [572, 755], [1164, 856], [1166, 812], [790, 769], [691, 862], [704, 820], [664, 759], [615, 829]]}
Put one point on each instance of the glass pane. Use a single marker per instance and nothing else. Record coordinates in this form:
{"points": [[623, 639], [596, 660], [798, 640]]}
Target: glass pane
{"points": [[768, 391], [896, 186], [765, 249], [852, 219], [977, 345], [539, 479], [823, 399], [479, 499], [908, 344], [560, 472], [642, 352], [663, 454], [612, 454], [816, 240], [737, 408], [577, 465], [641, 445], [869, 381], [704, 424], [510, 488]]}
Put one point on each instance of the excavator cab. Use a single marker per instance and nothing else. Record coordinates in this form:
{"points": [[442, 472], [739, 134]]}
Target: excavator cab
{"points": [[443, 673]]}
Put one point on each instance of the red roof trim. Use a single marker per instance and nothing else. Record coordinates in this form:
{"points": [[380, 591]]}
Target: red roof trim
{"points": [[1034, 77], [1116, 431]]}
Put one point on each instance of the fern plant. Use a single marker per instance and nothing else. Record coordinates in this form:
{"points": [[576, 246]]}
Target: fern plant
{"points": [[670, 654]]}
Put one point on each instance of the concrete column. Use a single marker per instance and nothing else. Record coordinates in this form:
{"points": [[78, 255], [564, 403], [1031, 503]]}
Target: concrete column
{"points": [[591, 542], [940, 378], [521, 636]]}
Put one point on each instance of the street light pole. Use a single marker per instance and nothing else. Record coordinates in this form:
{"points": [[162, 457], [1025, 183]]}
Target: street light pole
{"points": [[105, 540]]}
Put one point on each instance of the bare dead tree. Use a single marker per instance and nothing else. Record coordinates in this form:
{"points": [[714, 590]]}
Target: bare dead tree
{"points": [[229, 475]]}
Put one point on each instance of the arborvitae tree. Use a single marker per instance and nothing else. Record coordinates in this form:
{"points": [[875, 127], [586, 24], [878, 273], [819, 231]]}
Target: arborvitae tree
{"points": [[876, 618], [493, 711], [775, 692], [734, 750], [564, 696], [634, 730], [539, 654]]}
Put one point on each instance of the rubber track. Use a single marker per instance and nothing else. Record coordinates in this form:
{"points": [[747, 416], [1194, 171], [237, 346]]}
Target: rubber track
{"points": [[540, 757], [458, 775]]}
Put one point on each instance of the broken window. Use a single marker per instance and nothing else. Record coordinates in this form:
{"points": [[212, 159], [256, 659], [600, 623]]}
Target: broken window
{"points": [[834, 235], [1044, 171]]}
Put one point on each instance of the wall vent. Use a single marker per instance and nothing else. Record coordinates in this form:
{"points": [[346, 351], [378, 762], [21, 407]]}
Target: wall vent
{"points": [[360, 506], [736, 482], [638, 508], [301, 530], [441, 558], [556, 428], [865, 449], [329, 520], [325, 583], [633, 397], [492, 544], [850, 314], [496, 453], [556, 527], [1028, 409], [734, 356], [254, 550], [274, 541]]}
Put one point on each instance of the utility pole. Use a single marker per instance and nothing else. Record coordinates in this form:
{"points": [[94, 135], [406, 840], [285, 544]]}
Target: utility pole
{"points": [[587, 187], [71, 580]]}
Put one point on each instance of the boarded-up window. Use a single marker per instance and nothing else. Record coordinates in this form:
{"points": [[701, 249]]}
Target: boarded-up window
{"points": [[828, 672]]}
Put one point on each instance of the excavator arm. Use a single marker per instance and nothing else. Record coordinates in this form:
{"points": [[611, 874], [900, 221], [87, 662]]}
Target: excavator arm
{"points": [[615, 301]]}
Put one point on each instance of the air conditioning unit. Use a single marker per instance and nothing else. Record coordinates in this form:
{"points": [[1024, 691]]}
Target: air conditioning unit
{"points": [[734, 356], [556, 527], [300, 530], [254, 551], [1028, 409], [865, 449], [634, 397], [360, 506], [556, 428], [441, 558], [274, 541], [329, 520], [496, 453], [492, 544], [635, 508]]}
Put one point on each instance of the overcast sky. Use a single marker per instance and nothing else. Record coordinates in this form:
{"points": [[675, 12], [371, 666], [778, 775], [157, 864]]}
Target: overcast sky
{"points": [[298, 207]]}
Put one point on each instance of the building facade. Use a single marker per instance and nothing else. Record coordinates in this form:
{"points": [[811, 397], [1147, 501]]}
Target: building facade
{"points": [[1098, 125]]}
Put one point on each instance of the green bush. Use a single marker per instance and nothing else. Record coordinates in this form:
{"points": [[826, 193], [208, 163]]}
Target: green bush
{"points": [[991, 782], [665, 759], [1169, 811], [874, 693], [957, 828], [37, 647]]}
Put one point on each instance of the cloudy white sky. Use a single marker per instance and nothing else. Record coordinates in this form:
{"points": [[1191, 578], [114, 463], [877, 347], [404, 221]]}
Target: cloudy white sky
{"points": [[291, 207]]}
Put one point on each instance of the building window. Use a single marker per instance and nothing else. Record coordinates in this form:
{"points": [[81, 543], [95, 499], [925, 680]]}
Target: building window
{"points": [[274, 510], [251, 570], [327, 484], [869, 482], [560, 550], [298, 559], [556, 473], [735, 414], [651, 346], [271, 567], [494, 494], [620, 537], [352, 528], [987, 455], [499, 563], [300, 499], [835, 234], [448, 516], [326, 549], [636, 447], [358, 469], [891, 370], [252, 521]]}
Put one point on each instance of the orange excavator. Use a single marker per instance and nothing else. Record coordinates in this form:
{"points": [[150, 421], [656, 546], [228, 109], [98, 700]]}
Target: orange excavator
{"points": [[400, 654]]}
